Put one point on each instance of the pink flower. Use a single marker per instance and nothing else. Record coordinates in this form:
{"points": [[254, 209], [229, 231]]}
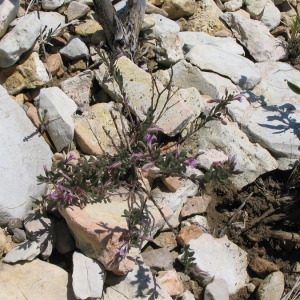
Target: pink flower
{"points": [[192, 162], [150, 138]]}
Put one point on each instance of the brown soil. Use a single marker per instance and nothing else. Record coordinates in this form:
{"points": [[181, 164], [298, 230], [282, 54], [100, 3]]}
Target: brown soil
{"points": [[270, 207]]}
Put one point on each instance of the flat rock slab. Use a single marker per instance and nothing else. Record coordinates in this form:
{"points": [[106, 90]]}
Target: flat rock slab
{"points": [[238, 69], [222, 259], [23, 152], [270, 115], [185, 104], [255, 36], [88, 277], [30, 280]]}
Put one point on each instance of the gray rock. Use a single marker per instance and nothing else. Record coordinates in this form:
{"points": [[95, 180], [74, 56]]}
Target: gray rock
{"points": [[255, 36], [88, 277], [272, 287], [169, 48], [253, 159], [163, 25], [185, 103], [20, 39], [186, 75], [239, 69], [233, 5], [27, 250], [217, 290], [191, 39], [76, 10], [19, 235], [24, 153], [269, 116], [76, 48], [222, 259], [52, 4], [8, 11], [59, 110], [270, 13], [137, 284], [158, 259], [78, 88], [41, 230]]}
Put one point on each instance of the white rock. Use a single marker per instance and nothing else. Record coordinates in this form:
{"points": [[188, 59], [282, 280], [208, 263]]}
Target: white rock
{"points": [[24, 153], [251, 158], [20, 39], [239, 69], [186, 75], [76, 48], [271, 14], [59, 110], [229, 44], [272, 287], [137, 284], [269, 118], [217, 290], [222, 259], [27, 250], [169, 48], [255, 36], [197, 220], [88, 277], [163, 25], [40, 229], [79, 87], [52, 4], [34, 280], [176, 199], [209, 156], [8, 11], [76, 10], [185, 103], [187, 295], [233, 5]]}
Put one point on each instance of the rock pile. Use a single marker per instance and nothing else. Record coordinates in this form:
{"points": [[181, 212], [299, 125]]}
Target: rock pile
{"points": [[201, 45]]}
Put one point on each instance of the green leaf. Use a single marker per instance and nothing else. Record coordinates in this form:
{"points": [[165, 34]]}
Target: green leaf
{"points": [[294, 87]]}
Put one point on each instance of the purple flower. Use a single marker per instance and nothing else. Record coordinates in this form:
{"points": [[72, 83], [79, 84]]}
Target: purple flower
{"points": [[154, 129], [146, 238], [192, 162], [150, 138], [123, 250], [238, 97], [115, 165], [72, 156]]}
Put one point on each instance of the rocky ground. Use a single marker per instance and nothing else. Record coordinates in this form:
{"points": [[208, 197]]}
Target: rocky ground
{"points": [[244, 233]]}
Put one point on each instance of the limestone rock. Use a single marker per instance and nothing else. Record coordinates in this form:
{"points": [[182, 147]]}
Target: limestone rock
{"points": [[76, 48], [185, 103], [171, 282], [195, 205], [27, 250], [28, 75], [88, 277], [78, 88], [179, 8], [251, 158], [272, 287], [255, 36], [24, 153], [34, 279], [239, 69], [52, 4], [20, 39], [137, 284], [102, 240], [163, 25], [186, 75], [59, 110], [88, 27], [217, 290], [166, 239], [158, 259], [192, 39], [41, 230], [233, 5], [76, 10], [8, 11], [222, 259], [262, 267], [89, 132]]}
